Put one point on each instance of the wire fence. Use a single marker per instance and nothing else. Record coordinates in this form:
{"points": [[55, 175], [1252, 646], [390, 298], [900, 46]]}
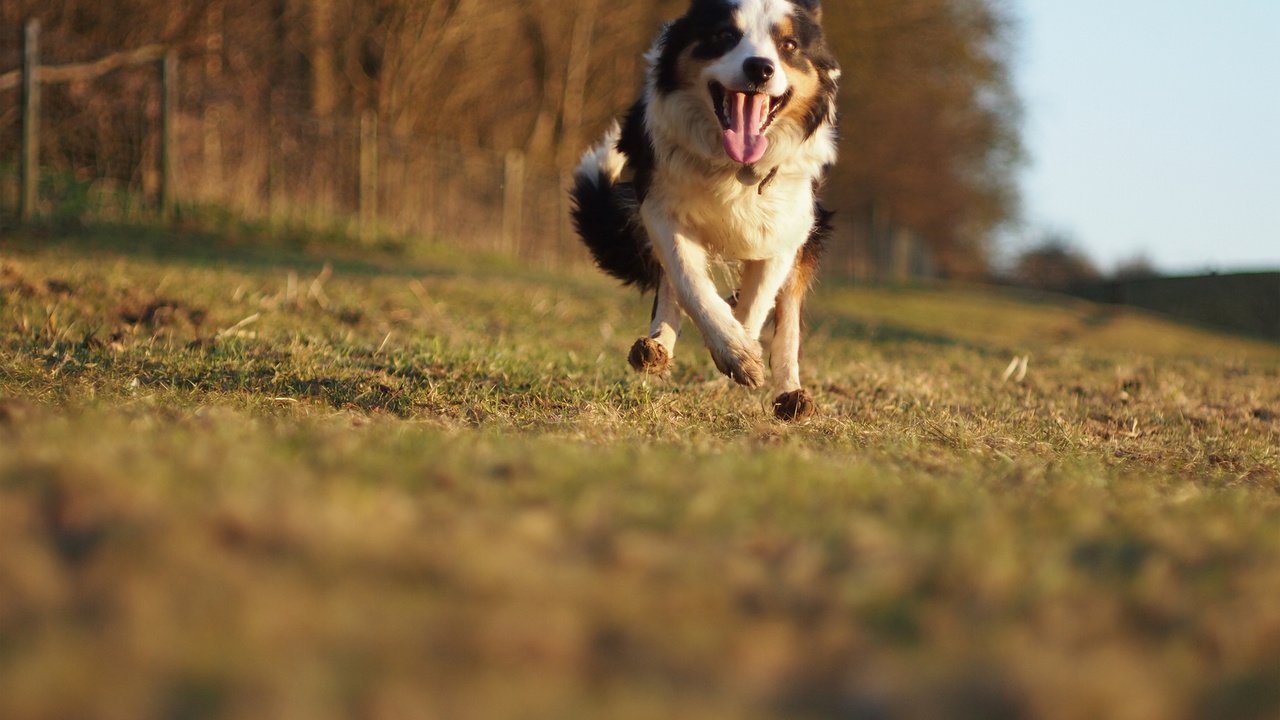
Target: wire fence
{"points": [[262, 158], [299, 168]]}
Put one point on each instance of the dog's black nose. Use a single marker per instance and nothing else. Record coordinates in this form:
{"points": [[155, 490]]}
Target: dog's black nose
{"points": [[758, 69]]}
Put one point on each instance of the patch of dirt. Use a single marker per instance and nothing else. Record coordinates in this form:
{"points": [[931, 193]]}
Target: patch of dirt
{"points": [[15, 413], [91, 342], [349, 316], [59, 287], [14, 282], [161, 312]]}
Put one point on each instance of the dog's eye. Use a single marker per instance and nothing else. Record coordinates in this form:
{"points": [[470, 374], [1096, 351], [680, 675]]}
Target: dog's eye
{"points": [[725, 36], [790, 45]]}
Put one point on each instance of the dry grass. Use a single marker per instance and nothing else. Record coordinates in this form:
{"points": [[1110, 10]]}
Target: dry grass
{"points": [[235, 484]]}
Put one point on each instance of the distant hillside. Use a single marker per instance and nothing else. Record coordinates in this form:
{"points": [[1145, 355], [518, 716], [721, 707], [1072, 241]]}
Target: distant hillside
{"points": [[1243, 302]]}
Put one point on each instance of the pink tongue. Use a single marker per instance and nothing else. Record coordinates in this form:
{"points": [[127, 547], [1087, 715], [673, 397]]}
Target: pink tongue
{"points": [[743, 140]]}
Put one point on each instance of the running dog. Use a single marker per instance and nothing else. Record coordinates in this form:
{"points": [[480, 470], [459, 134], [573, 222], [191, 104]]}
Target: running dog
{"points": [[721, 157]]}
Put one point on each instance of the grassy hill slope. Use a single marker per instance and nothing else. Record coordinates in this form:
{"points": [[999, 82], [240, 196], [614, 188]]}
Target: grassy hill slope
{"points": [[243, 480]]}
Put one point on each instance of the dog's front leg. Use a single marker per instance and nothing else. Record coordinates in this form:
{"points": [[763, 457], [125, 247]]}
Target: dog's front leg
{"points": [[652, 355], [685, 263]]}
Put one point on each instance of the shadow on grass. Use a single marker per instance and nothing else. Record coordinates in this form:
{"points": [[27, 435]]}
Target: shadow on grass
{"points": [[843, 327], [218, 241]]}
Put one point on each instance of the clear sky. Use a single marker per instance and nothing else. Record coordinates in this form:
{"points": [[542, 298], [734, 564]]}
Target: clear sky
{"points": [[1153, 127]]}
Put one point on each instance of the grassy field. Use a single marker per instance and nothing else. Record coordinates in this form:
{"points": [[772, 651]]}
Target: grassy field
{"points": [[241, 477]]}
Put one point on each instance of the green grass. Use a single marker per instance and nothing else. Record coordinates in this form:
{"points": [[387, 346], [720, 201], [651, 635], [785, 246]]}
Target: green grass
{"points": [[235, 484]]}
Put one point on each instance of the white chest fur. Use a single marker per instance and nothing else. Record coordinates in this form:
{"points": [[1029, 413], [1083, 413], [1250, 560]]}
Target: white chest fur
{"points": [[727, 213]]}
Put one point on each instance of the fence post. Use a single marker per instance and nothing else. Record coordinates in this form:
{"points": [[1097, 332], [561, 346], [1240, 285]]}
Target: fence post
{"points": [[512, 201], [168, 132], [276, 186], [30, 161], [875, 250], [368, 173], [211, 118], [902, 247], [564, 229]]}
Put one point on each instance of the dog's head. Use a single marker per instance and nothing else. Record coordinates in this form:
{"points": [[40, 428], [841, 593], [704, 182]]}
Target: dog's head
{"points": [[749, 69]]}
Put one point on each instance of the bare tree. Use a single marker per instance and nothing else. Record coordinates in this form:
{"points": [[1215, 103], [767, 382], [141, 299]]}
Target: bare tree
{"points": [[1053, 263], [930, 120]]}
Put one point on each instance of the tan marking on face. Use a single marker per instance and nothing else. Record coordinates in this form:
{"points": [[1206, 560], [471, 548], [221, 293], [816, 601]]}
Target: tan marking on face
{"points": [[805, 87], [803, 76], [784, 29]]}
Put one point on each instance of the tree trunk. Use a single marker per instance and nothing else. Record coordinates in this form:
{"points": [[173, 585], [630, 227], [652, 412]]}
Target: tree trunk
{"points": [[324, 70]]}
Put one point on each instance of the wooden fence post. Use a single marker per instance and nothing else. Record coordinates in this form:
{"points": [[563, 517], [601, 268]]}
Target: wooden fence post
{"points": [[368, 173], [276, 201], [512, 201], [168, 132], [30, 161], [211, 120], [901, 248], [564, 228]]}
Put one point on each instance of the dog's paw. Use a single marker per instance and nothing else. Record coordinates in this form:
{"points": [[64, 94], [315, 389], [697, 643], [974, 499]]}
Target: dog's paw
{"points": [[648, 356], [741, 363], [795, 406]]}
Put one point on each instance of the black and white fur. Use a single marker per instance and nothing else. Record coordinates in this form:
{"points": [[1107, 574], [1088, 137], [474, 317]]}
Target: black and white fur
{"points": [[683, 179]]}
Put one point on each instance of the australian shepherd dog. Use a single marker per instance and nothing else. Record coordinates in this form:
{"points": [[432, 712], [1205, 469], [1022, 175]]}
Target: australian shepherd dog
{"points": [[721, 158]]}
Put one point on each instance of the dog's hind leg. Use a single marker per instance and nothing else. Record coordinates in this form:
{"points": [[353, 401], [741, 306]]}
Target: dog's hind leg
{"points": [[653, 354], [761, 280], [793, 403]]}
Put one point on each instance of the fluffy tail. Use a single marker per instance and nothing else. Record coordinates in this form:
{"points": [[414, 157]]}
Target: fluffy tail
{"points": [[607, 216]]}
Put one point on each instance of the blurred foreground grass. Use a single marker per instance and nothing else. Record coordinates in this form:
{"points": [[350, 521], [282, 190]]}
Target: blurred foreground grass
{"points": [[252, 481]]}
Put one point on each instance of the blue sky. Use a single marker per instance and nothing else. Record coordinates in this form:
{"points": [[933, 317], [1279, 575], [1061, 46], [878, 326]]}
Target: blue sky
{"points": [[1153, 127]]}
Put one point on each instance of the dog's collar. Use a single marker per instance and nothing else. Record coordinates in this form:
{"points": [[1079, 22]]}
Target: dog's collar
{"points": [[748, 176], [767, 179]]}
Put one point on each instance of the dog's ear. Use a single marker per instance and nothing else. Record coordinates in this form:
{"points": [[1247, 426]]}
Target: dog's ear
{"points": [[813, 6]]}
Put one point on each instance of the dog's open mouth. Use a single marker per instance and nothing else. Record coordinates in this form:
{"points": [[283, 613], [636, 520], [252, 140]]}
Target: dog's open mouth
{"points": [[744, 118]]}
